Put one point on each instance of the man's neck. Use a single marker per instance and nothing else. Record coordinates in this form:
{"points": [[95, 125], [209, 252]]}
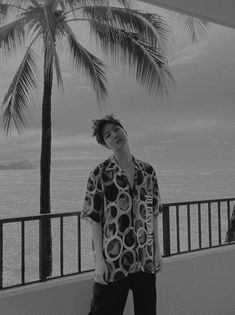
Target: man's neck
{"points": [[123, 156]]}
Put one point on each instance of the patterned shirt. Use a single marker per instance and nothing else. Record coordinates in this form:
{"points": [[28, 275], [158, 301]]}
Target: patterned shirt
{"points": [[126, 215]]}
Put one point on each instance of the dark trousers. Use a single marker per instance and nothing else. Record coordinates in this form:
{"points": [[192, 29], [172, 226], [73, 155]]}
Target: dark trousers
{"points": [[111, 299]]}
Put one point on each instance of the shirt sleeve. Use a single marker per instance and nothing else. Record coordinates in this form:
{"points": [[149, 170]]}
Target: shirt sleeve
{"points": [[93, 204], [157, 203]]}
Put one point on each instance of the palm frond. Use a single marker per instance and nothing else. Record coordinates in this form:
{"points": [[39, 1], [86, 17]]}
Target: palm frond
{"points": [[41, 21], [35, 3], [12, 35], [147, 63], [35, 19], [68, 4], [195, 27], [4, 9], [49, 33], [87, 62], [76, 5], [16, 103], [58, 71], [16, 5], [150, 27]]}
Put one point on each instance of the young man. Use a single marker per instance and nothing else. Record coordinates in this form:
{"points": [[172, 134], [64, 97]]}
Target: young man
{"points": [[122, 203]]}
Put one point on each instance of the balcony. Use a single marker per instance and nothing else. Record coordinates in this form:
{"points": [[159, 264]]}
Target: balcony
{"points": [[196, 283], [197, 278]]}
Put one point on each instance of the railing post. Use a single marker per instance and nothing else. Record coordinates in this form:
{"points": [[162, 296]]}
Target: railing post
{"points": [[45, 248], [166, 231], [79, 240], [1, 255]]}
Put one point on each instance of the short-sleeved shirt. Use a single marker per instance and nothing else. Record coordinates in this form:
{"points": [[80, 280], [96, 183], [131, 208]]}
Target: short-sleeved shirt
{"points": [[126, 215]]}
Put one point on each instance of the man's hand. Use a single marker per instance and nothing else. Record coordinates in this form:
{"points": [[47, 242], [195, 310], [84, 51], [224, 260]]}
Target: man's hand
{"points": [[101, 272], [158, 261]]}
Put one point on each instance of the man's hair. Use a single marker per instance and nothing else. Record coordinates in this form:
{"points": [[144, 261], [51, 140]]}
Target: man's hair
{"points": [[99, 124]]}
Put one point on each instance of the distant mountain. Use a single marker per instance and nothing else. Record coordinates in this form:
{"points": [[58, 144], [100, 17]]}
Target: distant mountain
{"points": [[20, 165]]}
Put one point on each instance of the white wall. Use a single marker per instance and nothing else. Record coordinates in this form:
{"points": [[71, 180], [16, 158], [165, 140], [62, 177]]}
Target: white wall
{"points": [[217, 11], [200, 283]]}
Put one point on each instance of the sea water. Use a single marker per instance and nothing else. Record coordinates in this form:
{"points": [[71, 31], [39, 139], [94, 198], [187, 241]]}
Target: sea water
{"points": [[19, 196]]}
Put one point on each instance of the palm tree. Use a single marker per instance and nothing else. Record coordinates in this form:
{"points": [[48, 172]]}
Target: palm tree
{"points": [[137, 38]]}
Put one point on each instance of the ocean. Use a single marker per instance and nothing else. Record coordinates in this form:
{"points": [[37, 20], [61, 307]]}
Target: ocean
{"points": [[19, 189], [19, 195]]}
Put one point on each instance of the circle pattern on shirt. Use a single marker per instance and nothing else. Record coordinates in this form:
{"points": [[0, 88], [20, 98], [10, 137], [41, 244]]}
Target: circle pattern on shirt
{"points": [[129, 239], [142, 211], [142, 236], [119, 274], [121, 181], [111, 192], [123, 222], [148, 266], [110, 229], [91, 185], [127, 261], [107, 176], [113, 248], [124, 201]]}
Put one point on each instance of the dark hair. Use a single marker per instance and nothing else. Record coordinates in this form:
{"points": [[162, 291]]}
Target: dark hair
{"points": [[98, 126]]}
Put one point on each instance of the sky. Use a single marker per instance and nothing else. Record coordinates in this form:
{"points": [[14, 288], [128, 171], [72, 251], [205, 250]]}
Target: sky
{"points": [[194, 127]]}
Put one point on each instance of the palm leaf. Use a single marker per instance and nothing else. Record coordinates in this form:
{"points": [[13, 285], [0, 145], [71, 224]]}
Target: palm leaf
{"points": [[68, 4], [16, 102], [57, 70], [16, 5], [4, 9], [150, 27], [147, 63], [76, 5], [49, 34], [91, 65], [195, 27], [35, 3], [12, 35]]}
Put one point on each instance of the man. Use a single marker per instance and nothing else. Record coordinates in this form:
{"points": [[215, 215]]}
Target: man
{"points": [[122, 203]]}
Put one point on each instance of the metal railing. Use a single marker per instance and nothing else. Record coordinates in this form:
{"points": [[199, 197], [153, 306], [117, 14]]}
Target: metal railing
{"points": [[37, 246], [195, 225], [186, 227]]}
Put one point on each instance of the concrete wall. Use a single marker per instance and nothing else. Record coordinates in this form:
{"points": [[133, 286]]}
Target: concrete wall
{"points": [[217, 11], [199, 283]]}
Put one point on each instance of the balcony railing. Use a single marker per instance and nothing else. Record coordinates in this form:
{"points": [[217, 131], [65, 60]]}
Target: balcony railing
{"points": [[184, 227], [195, 225]]}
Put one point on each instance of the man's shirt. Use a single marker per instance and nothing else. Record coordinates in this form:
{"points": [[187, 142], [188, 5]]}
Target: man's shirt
{"points": [[125, 214]]}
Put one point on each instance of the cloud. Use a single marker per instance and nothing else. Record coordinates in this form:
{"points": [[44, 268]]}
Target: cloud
{"points": [[169, 141], [62, 140], [188, 55], [218, 141], [29, 144], [153, 148]]}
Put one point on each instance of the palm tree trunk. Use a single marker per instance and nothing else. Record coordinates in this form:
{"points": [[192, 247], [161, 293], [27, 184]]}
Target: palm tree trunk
{"points": [[45, 250], [230, 235]]}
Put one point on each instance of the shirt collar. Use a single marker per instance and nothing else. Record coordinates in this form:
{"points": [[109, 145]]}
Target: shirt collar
{"points": [[113, 163]]}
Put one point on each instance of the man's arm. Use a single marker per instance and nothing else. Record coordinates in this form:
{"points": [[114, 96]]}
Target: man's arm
{"points": [[157, 251], [101, 269]]}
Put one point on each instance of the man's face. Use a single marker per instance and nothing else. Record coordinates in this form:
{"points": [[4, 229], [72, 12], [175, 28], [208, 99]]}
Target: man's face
{"points": [[114, 136]]}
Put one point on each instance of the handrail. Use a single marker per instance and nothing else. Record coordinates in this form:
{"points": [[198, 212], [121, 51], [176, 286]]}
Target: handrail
{"points": [[39, 217], [186, 227], [192, 202], [205, 235]]}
